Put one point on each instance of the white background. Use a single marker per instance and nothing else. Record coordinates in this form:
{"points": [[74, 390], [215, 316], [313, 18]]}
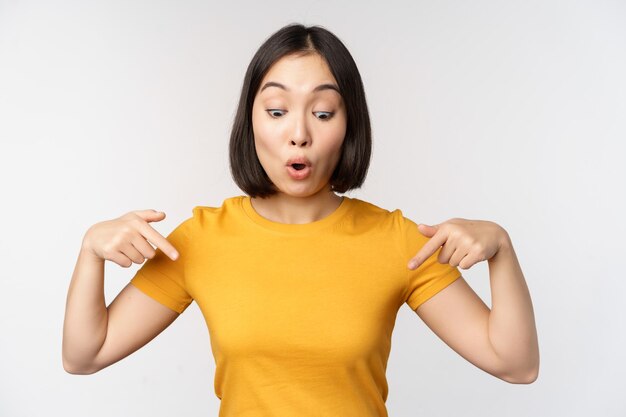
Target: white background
{"points": [[512, 112]]}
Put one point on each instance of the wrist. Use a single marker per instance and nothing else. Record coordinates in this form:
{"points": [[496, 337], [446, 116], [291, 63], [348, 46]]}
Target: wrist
{"points": [[505, 241], [87, 254], [505, 246]]}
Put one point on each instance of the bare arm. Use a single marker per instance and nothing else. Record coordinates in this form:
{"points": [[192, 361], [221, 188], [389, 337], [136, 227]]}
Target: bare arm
{"points": [[85, 324], [501, 341], [95, 336], [134, 320]]}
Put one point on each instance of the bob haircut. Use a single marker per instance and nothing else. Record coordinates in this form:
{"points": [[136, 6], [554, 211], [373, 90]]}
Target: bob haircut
{"points": [[356, 149]]}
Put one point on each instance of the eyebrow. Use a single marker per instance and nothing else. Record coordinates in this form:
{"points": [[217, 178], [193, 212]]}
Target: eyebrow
{"points": [[320, 87]]}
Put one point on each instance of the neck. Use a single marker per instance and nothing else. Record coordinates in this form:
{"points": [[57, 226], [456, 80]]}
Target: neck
{"points": [[285, 208]]}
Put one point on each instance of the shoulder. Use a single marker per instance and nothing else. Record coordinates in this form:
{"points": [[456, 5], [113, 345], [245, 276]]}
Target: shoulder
{"points": [[218, 214], [367, 212]]}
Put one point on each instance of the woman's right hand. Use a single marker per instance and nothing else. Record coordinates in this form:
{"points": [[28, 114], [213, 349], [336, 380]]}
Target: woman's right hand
{"points": [[125, 240]]}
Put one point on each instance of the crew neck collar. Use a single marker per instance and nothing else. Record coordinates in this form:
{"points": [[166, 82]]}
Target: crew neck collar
{"points": [[289, 228]]}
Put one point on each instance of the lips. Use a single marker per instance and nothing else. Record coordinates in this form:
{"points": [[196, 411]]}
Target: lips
{"points": [[299, 174], [298, 167], [302, 160]]}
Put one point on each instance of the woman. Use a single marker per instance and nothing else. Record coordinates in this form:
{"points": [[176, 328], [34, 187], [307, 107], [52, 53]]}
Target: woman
{"points": [[300, 287]]}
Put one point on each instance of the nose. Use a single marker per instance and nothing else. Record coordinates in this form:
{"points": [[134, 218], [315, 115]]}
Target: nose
{"points": [[300, 133]]}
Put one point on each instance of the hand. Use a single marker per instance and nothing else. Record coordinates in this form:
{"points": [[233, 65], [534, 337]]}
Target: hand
{"points": [[125, 240], [463, 242]]}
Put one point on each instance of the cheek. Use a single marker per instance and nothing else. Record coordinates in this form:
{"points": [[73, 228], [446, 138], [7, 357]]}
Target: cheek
{"points": [[259, 131], [263, 144], [337, 138], [264, 131], [262, 150], [338, 131], [337, 146], [265, 147], [256, 125]]}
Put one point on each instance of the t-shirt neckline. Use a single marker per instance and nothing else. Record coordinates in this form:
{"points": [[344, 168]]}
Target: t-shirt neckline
{"points": [[288, 228]]}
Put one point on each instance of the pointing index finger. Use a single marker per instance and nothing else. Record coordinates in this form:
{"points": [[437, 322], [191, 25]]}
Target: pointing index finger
{"points": [[428, 249], [159, 241]]}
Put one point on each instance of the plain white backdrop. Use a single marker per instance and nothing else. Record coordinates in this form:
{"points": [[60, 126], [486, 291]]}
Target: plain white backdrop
{"points": [[512, 112]]}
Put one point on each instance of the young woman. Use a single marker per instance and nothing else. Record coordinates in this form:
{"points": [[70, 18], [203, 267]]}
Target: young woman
{"points": [[300, 287]]}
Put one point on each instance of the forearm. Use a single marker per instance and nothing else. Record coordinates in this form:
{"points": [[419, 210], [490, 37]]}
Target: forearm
{"points": [[512, 329], [86, 316]]}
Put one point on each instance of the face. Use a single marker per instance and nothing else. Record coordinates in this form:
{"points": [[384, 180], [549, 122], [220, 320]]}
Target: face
{"points": [[298, 112]]}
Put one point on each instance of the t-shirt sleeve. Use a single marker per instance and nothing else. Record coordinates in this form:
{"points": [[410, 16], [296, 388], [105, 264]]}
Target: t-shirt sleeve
{"points": [[431, 276], [164, 279]]}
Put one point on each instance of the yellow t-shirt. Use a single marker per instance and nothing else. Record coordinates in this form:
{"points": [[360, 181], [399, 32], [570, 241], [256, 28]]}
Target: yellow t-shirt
{"points": [[300, 316]]}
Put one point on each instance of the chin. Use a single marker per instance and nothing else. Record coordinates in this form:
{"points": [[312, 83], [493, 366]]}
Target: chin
{"points": [[294, 193], [298, 190]]}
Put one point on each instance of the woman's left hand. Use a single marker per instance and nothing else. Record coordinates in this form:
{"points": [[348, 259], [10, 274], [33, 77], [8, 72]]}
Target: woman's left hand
{"points": [[463, 242]]}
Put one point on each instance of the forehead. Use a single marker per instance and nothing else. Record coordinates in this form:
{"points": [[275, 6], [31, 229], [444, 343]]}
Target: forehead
{"points": [[299, 72]]}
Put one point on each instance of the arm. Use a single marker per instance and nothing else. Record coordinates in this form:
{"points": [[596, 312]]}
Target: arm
{"points": [[512, 329], [501, 341], [95, 336], [85, 324]]}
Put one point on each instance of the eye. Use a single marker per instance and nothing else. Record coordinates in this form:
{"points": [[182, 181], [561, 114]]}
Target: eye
{"points": [[325, 115], [273, 112]]}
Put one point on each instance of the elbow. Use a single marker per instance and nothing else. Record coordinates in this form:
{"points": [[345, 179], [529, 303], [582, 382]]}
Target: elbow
{"points": [[522, 372], [527, 377], [531, 376], [73, 369]]}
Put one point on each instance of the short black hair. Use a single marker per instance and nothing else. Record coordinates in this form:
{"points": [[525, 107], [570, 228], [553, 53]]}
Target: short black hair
{"points": [[356, 149]]}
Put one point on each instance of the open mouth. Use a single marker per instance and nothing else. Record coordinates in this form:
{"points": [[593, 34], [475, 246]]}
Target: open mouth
{"points": [[299, 171]]}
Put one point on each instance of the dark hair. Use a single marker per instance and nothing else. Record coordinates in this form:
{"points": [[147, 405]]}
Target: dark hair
{"points": [[356, 149]]}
